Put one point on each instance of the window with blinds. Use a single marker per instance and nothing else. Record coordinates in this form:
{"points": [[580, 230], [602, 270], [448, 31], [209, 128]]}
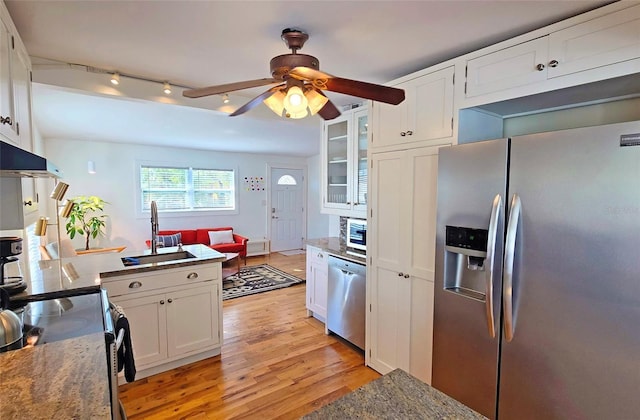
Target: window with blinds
{"points": [[187, 189]]}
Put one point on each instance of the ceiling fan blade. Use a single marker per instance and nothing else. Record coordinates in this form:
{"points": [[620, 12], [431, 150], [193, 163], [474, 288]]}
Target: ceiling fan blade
{"points": [[329, 110], [256, 101], [365, 90], [230, 87]]}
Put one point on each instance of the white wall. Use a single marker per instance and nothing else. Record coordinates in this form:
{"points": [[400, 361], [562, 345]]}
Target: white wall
{"points": [[317, 223], [115, 182]]}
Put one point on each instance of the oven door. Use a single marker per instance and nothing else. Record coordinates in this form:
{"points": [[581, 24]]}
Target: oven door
{"points": [[113, 343]]}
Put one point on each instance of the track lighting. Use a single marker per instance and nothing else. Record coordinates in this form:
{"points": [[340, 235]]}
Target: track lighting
{"points": [[167, 88], [225, 99], [115, 79]]}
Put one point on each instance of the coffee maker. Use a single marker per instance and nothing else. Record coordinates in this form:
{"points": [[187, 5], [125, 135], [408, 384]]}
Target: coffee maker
{"points": [[10, 247]]}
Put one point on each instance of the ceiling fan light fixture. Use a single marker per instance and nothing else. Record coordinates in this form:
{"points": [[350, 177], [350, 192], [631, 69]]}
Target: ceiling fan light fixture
{"points": [[316, 101], [115, 79], [295, 101], [275, 102]]}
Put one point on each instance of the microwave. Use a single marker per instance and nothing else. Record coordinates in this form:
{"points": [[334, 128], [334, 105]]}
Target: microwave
{"points": [[357, 234]]}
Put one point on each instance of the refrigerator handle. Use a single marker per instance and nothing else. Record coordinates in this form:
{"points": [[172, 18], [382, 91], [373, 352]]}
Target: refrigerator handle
{"points": [[509, 256], [491, 249]]}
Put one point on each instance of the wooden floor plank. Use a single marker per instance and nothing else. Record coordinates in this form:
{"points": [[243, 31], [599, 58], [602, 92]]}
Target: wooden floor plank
{"points": [[275, 363]]}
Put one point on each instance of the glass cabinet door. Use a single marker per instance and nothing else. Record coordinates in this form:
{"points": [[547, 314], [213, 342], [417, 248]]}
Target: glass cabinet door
{"points": [[337, 162], [361, 169]]}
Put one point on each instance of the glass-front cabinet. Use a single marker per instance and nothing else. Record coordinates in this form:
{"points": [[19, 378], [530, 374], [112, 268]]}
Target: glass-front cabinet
{"points": [[344, 152]]}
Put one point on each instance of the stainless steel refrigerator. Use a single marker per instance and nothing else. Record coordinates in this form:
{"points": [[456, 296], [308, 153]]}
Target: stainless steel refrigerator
{"points": [[537, 295]]}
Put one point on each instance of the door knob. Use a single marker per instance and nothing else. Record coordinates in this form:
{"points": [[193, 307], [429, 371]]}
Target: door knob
{"points": [[553, 63], [162, 302], [400, 274], [540, 67], [406, 276], [169, 300]]}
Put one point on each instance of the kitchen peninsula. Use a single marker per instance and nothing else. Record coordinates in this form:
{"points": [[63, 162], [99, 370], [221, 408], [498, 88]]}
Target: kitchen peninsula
{"points": [[69, 378]]}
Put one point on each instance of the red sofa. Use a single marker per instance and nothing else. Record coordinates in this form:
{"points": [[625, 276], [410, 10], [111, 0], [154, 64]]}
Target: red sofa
{"points": [[201, 236]]}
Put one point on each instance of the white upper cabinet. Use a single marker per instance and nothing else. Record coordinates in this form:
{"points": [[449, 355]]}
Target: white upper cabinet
{"points": [[344, 164], [598, 42], [426, 113], [15, 85], [604, 41], [516, 66]]}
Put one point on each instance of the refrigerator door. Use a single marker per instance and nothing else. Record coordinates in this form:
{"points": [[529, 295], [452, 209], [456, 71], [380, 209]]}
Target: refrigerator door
{"points": [[576, 289], [471, 192]]}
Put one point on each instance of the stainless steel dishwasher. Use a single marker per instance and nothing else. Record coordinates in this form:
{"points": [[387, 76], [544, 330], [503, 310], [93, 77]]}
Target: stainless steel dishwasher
{"points": [[346, 300]]}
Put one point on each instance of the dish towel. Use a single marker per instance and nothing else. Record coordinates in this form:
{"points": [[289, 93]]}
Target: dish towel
{"points": [[125, 351]]}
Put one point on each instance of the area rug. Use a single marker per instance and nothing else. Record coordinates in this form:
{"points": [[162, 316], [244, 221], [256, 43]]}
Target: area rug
{"points": [[292, 252], [256, 279]]}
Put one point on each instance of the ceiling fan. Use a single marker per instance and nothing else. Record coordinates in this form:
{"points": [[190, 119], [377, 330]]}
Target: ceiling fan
{"points": [[300, 85]]}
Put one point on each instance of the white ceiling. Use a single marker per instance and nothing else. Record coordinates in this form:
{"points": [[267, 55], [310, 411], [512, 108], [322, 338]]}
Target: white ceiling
{"points": [[202, 43]]}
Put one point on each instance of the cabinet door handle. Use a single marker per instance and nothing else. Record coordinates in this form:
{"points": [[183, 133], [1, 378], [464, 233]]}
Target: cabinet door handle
{"points": [[400, 274], [406, 276], [540, 67], [6, 120], [28, 203], [553, 63], [409, 133], [402, 133], [162, 302], [348, 202], [320, 255], [192, 276], [169, 300], [135, 285]]}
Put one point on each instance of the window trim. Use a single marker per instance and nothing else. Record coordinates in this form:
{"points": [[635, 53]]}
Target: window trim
{"points": [[137, 198]]}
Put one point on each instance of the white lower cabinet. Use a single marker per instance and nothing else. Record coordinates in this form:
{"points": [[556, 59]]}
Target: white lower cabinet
{"points": [[175, 325], [317, 282], [401, 242]]}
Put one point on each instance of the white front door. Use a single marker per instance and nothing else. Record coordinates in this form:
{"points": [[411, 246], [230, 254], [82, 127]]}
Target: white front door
{"points": [[287, 208]]}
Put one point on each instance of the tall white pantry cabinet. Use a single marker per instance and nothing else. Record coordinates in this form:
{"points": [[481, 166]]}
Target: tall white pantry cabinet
{"points": [[598, 47]]}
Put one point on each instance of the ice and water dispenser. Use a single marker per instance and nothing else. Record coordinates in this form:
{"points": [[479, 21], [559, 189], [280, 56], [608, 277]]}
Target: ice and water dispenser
{"points": [[464, 261]]}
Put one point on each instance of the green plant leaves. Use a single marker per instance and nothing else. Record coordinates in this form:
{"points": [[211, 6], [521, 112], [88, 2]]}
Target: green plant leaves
{"points": [[83, 221]]}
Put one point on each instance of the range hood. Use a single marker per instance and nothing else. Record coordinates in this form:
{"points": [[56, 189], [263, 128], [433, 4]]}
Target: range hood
{"points": [[18, 163]]}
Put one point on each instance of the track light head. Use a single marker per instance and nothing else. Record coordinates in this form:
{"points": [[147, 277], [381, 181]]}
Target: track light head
{"points": [[115, 79]]}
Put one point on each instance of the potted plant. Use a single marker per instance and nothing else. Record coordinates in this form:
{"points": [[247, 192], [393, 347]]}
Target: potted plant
{"points": [[86, 218]]}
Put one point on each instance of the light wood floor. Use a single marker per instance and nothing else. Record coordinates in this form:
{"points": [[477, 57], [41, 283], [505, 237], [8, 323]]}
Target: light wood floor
{"points": [[275, 363]]}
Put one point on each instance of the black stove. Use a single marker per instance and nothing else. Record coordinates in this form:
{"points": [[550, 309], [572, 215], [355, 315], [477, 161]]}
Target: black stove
{"points": [[59, 319]]}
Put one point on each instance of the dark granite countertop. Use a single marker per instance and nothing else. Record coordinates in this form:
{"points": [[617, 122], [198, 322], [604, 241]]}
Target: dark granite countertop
{"points": [[335, 246], [59, 380], [396, 395], [83, 273]]}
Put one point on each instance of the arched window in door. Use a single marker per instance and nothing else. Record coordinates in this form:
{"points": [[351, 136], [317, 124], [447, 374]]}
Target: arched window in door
{"points": [[287, 180]]}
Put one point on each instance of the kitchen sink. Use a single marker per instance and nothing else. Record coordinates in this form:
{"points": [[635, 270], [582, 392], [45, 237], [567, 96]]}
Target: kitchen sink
{"points": [[156, 258]]}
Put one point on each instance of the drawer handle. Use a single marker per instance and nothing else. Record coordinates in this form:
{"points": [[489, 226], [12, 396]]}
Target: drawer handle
{"points": [[409, 133], [400, 274], [162, 302], [553, 63], [192, 276], [402, 133], [6, 120], [135, 285], [406, 276]]}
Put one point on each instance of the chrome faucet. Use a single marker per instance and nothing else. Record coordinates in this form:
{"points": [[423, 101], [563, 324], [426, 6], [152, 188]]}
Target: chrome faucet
{"points": [[154, 228]]}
